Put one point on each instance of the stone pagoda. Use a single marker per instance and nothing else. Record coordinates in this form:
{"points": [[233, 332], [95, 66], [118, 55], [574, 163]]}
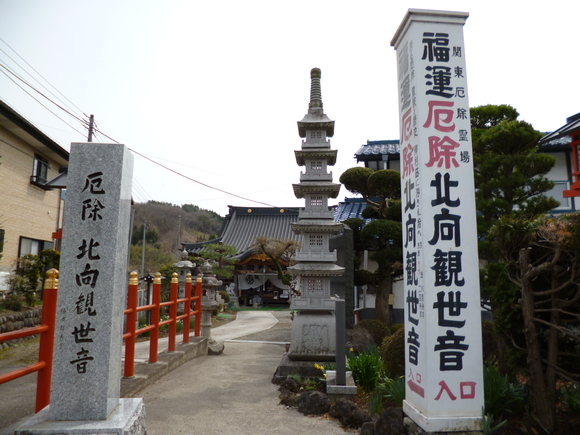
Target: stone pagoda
{"points": [[314, 326]]}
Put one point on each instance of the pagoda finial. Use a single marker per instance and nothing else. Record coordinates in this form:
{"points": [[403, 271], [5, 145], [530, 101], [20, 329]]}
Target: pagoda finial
{"points": [[315, 105], [315, 119]]}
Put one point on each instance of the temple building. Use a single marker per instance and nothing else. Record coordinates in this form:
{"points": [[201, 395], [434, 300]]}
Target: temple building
{"points": [[255, 280]]}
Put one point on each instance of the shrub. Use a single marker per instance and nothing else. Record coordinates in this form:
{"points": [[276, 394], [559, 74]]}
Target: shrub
{"points": [[395, 389], [395, 327], [225, 296], [376, 328], [571, 397], [50, 259], [488, 421], [217, 310], [489, 342], [24, 281], [502, 397], [393, 353], [13, 303], [367, 368], [376, 402]]}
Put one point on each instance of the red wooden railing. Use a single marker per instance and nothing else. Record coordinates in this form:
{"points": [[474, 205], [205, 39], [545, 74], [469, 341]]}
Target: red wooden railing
{"points": [[46, 329], [155, 309]]}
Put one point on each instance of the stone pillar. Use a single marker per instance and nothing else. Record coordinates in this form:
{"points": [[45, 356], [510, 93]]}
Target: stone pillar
{"points": [[340, 383], [443, 355], [93, 286]]}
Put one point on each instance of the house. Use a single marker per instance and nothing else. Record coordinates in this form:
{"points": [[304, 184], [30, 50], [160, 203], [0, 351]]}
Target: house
{"points": [[30, 206], [564, 144], [384, 154], [379, 154]]}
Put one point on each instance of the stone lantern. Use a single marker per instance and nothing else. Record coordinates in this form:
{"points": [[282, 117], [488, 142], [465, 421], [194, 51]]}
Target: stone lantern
{"points": [[209, 284], [184, 267]]}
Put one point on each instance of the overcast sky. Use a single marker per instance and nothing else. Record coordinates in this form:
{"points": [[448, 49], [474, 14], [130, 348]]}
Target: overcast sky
{"points": [[213, 89]]}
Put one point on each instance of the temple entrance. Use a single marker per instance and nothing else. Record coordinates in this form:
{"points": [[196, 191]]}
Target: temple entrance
{"points": [[258, 284]]}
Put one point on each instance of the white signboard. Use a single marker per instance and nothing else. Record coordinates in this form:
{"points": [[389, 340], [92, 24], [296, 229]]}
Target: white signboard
{"points": [[444, 374]]}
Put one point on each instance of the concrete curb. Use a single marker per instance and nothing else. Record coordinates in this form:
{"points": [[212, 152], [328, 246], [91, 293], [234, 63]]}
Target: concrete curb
{"points": [[146, 373]]}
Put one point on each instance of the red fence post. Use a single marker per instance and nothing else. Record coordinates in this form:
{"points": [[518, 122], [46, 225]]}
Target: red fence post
{"points": [[154, 342], [187, 308], [198, 306], [47, 339], [131, 325], [173, 312]]}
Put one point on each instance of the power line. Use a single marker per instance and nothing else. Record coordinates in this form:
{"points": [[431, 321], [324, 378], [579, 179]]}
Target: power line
{"points": [[141, 189], [189, 178], [84, 122], [35, 99], [24, 60], [37, 91], [199, 182]]}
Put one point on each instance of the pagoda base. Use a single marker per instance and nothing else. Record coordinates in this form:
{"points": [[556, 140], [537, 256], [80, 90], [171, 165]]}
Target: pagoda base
{"points": [[313, 336]]}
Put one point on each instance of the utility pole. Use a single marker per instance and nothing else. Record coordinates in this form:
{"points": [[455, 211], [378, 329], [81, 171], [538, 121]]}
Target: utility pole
{"points": [[91, 127], [177, 247], [143, 251]]}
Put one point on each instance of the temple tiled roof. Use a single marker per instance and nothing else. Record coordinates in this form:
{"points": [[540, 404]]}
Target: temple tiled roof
{"points": [[377, 148], [243, 224], [561, 136], [350, 208]]}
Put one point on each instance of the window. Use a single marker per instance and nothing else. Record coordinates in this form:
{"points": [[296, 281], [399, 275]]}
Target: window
{"points": [[315, 240], [316, 165], [314, 285], [316, 135], [39, 170], [316, 200], [32, 246], [557, 193]]}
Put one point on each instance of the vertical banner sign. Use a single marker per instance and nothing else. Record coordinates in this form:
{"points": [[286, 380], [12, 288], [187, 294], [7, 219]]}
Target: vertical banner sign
{"points": [[92, 288], [443, 357]]}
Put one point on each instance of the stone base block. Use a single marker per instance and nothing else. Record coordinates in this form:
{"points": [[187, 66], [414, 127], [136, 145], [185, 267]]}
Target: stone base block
{"points": [[336, 392], [313, 336], [287, 367], [127, 419], [464, 425]]}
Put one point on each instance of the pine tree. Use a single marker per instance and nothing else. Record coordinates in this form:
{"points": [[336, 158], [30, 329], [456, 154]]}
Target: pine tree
{"points": [[381, 190]]}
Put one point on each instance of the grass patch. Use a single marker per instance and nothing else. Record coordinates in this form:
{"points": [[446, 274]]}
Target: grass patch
{"points": [[23, 353]]}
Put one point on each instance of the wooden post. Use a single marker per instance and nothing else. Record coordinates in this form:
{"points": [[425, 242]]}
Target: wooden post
{"points": [[198, 305], [173, 313], [47, 340], [187, 308], [131, 325], [154, 342]]}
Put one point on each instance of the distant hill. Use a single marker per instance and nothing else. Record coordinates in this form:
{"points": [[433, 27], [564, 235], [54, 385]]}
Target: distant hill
{"points": [[166, 221]]}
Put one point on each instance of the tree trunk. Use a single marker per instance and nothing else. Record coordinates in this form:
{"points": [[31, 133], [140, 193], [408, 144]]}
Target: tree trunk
{"points": [[553, 349], [545, 404], [384, 289], [502, 352]]}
